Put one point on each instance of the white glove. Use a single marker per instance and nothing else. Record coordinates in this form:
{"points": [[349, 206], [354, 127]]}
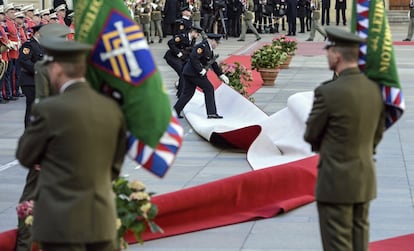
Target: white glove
{"points": [[203, 72], [179, 54], [225, 79]]}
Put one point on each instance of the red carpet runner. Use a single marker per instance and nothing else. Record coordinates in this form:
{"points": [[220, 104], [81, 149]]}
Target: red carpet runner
{"points": [[399, 243], [248, 196]]}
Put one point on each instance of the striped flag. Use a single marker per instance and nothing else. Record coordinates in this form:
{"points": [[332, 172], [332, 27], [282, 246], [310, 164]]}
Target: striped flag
{"points": [[377, 60], [121, 66]]}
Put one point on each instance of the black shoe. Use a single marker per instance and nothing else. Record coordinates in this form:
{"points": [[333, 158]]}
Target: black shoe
{"points": [[301, 32], [214, 116], [11, 98], [178, 114], [257, 39], [240, 40], [160, 41], [407, 39], [309, 39], [2, 101]]}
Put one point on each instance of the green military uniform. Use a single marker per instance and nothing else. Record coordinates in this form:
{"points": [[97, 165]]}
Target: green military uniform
{"points": [[156, 19], [78, 137], [42, 83], [42, 90], [247, 21], [315, 24], [145, 19], [345, 125]]}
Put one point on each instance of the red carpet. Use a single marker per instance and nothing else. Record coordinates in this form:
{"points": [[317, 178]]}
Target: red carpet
{"points": [[403, 43], [244, 60], [399, 243], [248, 196]]}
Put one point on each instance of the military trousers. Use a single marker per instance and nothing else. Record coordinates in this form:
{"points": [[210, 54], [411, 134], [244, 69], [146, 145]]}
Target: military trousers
{"points": [[410, 28], [248, 24], [344, 227], [316, 26], [96, 246], [156, 28], [190, 83]]}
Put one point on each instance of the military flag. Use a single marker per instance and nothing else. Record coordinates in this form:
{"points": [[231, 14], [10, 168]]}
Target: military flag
{"points": [[377, 60], [121, 66]]}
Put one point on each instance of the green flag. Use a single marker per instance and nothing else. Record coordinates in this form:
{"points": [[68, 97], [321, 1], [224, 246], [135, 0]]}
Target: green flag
{"points": [[121, 66], [377, 58]]}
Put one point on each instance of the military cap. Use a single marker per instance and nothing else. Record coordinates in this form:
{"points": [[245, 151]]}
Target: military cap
{"points": [[36, 28], [1, 9], [44, 12], [53, 16], [340, 37], [60, 7], [54, 30], [59, 49], [29, 7], [19, 14], [9, 6], [214, 36], [185, 8], [196, 28], [71, 14], [36, 12]]}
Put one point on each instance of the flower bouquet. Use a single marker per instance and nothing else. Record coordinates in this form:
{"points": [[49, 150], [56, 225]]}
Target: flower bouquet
{"points": [[288, 45], [239, 77], [135, 210]]}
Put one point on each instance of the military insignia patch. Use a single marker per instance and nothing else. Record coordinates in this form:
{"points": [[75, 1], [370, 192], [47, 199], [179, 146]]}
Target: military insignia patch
{"points": [[26, 50], [177, 39], [199, 50], [122, 50]]}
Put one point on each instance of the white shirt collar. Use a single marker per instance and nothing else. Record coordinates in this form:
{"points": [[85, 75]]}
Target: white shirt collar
{"points": [[69, 83]]}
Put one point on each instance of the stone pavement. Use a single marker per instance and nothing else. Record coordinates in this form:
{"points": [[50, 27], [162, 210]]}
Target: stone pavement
{"points": [[198, 162]]}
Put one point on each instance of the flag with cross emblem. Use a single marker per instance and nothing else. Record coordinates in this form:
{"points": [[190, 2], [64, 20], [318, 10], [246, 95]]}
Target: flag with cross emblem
{"points": [[377, 60], [122, 67]]}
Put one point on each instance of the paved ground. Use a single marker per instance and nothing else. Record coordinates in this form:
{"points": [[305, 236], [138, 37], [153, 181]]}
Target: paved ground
{"points": [[392, 213]]}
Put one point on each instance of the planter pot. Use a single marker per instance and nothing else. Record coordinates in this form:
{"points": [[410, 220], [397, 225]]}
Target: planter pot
{"points": [[268, 75], [286, 64]]}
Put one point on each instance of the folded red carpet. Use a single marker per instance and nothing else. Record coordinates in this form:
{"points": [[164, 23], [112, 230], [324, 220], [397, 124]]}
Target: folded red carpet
{"points": [[244, 60], [248, 196], [399, 243], [8, 240]]}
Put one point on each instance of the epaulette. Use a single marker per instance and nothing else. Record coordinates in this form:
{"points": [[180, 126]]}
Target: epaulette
{"points": [[327, 82]]}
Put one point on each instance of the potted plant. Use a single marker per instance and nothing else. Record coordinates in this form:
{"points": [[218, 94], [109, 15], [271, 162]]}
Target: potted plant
{"points": [[287, 45], [239, 77], [266, 60]]}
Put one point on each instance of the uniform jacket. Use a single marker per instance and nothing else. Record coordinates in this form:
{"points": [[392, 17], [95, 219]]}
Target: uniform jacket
{"points": [[12, 34], [4, 43], [340, 4], [78, 138], [180, 43], [200, 58], [345, 125], [29, 54]]}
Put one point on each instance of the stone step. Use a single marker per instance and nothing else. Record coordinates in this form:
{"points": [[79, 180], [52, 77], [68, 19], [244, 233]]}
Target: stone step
{"points": [[398, 16]]}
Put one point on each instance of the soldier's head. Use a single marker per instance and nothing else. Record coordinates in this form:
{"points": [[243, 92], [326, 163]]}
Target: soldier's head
{"points": [[53, 18], [44, 14], [186, 11], [213, 39], [195, 31], [9, 10], [342, 48], [54, 30], [2, 14], [28, 10], [19, 18], [61, 10], [66, 59]]}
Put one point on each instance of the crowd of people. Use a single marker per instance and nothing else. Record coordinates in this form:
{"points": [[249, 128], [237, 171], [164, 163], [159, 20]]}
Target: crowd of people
{"points": [[17, 26], [233, 17]]}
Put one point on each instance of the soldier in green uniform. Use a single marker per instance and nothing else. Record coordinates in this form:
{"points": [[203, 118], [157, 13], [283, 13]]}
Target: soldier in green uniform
{"points": [[145, 19], [156, 18], [345, 126], [315, 25], [78, 138], [247, 21]]}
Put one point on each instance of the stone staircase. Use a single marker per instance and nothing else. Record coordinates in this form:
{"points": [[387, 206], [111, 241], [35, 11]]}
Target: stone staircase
{"points": [[398, 16]]}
